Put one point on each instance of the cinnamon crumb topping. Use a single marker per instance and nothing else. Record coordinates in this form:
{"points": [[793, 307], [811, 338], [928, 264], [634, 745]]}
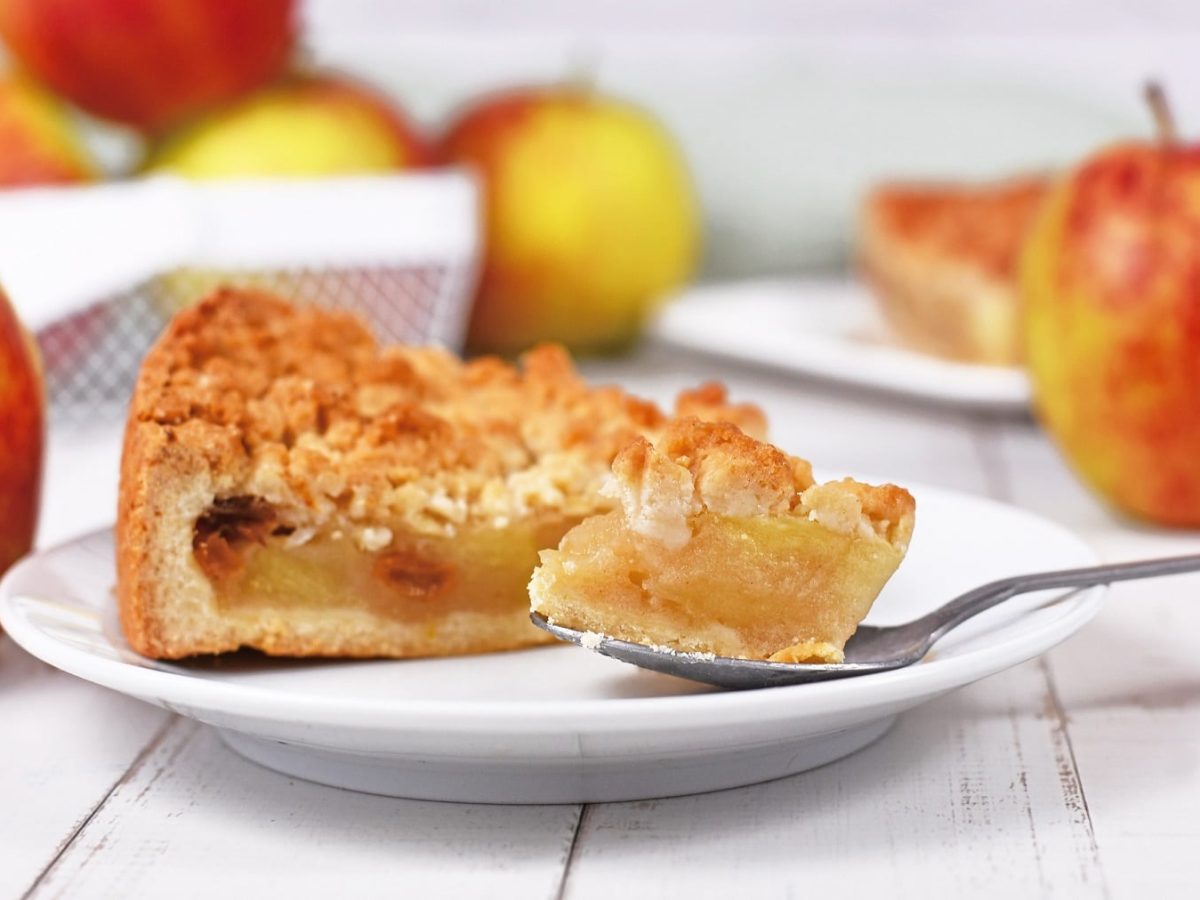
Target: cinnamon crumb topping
{"points": [[301, 407], [983, 225], [713, 466]]}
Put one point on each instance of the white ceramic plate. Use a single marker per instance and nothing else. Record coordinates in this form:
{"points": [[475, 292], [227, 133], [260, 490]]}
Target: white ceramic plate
{"points": [[559, 724], [829, 329]]}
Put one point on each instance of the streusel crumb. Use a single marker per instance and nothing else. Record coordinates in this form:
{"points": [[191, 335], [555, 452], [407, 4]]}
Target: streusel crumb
{"points": [[714, 466], [303, 408]]}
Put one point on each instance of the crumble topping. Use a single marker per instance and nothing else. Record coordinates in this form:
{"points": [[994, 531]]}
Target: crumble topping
{"points": [[714, 466], [591, 640], [302, 408], [708, 403], [656, 494], [982, 225], [852, 507], [373, 538]]}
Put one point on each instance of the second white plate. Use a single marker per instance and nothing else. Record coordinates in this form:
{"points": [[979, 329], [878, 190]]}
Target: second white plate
{"points": [[559, 724], [829, 329]]}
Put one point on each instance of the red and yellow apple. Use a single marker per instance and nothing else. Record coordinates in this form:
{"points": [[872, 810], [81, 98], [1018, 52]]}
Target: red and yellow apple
{"points": [[149, 63], [39, 144], [1111, 285], [307, 126], [22, 427], [591, 218]]}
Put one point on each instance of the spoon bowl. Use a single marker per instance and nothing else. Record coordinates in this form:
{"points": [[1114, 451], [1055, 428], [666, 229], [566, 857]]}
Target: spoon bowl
{"points": [[872, 648]]}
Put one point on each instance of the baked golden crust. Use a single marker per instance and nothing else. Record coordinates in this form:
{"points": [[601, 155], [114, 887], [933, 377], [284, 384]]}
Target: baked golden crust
{"points": [[943, 261], [246, 395]]}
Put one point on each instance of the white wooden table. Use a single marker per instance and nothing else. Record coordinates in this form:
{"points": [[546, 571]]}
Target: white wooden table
{"points": [[1075, 775]]}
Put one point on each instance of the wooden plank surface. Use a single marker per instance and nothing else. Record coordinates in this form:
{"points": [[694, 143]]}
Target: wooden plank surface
{"points": [[1130, 683], [971, 795], [64, 744], [192, 819]]}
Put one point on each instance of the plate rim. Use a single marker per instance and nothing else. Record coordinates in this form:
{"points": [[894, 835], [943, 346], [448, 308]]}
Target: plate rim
{"points": [[592, 715], [669, 328]]}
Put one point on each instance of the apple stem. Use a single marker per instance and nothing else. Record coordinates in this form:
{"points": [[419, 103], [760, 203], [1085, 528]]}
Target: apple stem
{"points": [[1161, 109]]}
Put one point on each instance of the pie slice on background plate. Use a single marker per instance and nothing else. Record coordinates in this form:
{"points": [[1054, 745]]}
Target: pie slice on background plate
{"points": [[942, 260]]}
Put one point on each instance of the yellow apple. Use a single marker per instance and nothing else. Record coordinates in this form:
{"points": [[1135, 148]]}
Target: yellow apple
{"points": [[591, 218], [38, 142], [22, 425], [308, 126], [1111, 286]]}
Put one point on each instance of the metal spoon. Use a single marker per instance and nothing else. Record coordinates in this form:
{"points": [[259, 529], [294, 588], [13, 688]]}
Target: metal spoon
{"points": [[871, 649]]}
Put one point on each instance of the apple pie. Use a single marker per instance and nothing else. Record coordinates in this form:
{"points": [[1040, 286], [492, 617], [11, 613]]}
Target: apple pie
{"points": [[288, 485], [943, 259], [723, 544]]}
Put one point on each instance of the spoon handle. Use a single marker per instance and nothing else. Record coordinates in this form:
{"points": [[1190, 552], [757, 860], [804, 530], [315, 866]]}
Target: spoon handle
{"points": [[984, 597]]}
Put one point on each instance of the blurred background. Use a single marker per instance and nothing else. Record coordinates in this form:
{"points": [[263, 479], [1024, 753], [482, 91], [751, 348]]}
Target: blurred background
{"points": [[787, 111]]}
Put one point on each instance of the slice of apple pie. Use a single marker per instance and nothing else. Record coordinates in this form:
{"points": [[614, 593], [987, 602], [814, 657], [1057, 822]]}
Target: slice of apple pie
{"points": [[943, 261], [288, 485], [723, 544]]}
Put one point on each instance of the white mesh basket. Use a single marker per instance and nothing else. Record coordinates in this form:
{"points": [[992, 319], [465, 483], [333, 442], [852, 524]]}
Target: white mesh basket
{"points": [[97, 272]]}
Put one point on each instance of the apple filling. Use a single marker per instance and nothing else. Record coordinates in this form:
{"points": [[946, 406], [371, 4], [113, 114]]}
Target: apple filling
{"points": [[255, 562]]}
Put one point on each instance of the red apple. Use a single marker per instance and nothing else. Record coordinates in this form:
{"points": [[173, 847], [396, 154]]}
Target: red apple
{"points": [[149, 63], [38, 142], [1111, 285], [22, 427]]}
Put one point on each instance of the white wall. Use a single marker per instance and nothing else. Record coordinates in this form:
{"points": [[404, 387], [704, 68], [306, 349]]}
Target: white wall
{"points": [[787, 110]]}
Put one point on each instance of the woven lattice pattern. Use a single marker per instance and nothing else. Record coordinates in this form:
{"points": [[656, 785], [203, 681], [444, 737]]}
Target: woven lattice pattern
{"points": [[92, 357]]}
